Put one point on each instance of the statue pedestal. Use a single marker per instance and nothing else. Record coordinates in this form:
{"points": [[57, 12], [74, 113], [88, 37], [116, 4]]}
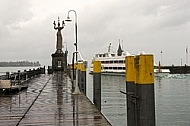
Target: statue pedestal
{"points": [[59, 61]]}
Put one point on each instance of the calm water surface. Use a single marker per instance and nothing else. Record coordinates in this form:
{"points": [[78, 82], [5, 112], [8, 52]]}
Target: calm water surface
{"points": [[172, 99]]}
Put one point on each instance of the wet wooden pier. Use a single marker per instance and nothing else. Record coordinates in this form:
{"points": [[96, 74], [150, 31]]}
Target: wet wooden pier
{"points": [[48, 101]]}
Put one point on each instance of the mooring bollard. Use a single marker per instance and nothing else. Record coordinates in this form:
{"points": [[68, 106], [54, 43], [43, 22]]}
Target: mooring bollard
{"points": [[25, 75], [130, 89], [42, 70], [74, 69], [79, 75], [97, 84], [7, 75], [19, 77], [145, 90], [82, 77]]}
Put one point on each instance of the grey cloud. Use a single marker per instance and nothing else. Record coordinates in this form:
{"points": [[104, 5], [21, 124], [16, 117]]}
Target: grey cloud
{"points": [[142, 25], [138, 23], [13, 12]]}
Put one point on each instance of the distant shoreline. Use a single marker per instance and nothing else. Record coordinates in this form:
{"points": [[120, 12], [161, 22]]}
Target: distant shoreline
{"points": [[20, 64]]}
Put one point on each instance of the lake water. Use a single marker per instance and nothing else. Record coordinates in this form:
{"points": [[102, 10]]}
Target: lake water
{"points": [[172, 98]]}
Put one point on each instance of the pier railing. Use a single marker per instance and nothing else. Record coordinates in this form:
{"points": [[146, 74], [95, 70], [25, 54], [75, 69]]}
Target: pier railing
{"points": [[15, 80], [23, 75]]}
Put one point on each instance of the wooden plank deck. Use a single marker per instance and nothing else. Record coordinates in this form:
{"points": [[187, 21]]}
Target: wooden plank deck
{"points": [[53, 105]]}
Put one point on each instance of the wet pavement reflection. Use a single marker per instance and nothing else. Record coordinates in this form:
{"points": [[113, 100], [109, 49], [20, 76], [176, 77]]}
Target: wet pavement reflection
{"points": [[48, 101]]}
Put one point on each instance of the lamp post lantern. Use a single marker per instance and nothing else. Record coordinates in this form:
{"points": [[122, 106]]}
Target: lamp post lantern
{"points": [[69, 20]]}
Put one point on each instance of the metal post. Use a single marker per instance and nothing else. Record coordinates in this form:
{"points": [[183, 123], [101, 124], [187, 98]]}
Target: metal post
{"points": [[19, 77], [145, 90], [25, 75], [79, 76], [76, 90], [73, 70], [75, 76], [7, 75], [43, 70], [130, 89], [97, 84], [83, 77]]}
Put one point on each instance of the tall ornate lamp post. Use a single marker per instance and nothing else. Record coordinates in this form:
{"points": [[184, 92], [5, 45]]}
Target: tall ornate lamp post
{"points": [[68, 19]]}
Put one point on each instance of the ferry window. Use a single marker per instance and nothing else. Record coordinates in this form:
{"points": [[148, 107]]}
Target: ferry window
{"points": [[115, 68], [102, 61], [123, 68], [120, 61], [116, 61], [106, 61], [119, 68], [111, 61], [110, 68]]}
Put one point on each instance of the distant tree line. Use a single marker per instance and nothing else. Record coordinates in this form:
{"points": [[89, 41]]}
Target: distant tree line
{"points": [[19, 64]]}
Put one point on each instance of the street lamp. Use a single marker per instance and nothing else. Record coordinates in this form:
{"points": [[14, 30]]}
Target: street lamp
{"points": [[69, 20]]}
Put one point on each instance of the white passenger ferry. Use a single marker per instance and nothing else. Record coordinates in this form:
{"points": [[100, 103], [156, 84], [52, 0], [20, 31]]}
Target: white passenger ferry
{"points": [[111, 63], [114, 63]]}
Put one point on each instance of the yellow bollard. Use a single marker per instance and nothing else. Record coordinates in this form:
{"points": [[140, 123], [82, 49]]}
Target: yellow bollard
{"points": [[79, 74], [97, 67], [97, 84], [130, 70], [130, 89], [145, 90], [82, 77]]}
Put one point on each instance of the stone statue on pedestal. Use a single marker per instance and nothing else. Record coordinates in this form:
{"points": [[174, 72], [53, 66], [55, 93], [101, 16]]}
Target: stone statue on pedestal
{"points": [[59, 44], [59, 59]]}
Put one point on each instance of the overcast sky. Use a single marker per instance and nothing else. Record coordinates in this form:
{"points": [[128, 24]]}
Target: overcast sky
{"points": [[26, 28]]}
